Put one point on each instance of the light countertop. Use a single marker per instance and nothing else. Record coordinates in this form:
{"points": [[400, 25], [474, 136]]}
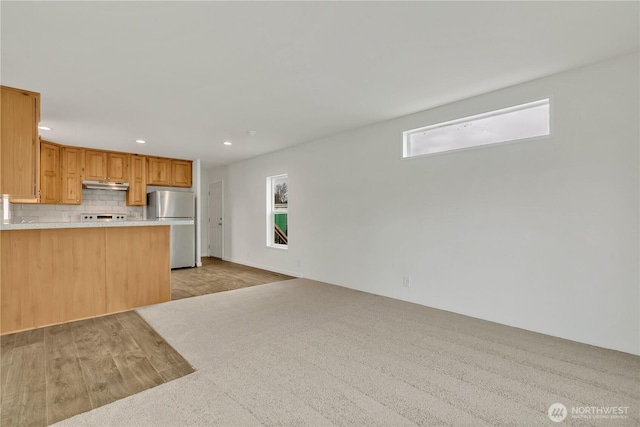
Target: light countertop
{"points": [[91, 224]]}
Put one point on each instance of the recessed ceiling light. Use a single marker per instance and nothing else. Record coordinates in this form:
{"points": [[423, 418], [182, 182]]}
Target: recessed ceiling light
{"points": [[140, 141], [44, 128], [251, 132], [227, 143]]}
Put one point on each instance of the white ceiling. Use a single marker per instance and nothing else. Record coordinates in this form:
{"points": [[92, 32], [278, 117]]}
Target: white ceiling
{"points": [[187, 76]]}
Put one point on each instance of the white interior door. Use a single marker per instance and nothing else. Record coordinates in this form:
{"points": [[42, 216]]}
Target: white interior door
{"points": [[215, 219]]}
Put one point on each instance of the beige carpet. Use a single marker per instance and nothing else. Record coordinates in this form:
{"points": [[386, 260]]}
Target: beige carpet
{"points": [[300, 352]]}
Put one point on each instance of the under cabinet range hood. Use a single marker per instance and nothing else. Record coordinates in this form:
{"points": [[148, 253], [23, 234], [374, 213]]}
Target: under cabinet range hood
{"points": [[105, 185]]}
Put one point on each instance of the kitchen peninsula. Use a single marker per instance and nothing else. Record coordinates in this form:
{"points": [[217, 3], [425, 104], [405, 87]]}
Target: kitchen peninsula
{"points": [[56, 272]]}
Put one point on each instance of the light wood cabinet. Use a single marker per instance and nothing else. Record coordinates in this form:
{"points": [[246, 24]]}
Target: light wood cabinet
{"points": [[159, 171], [49, 172], [68, 283], [71, 173], [117, 167], [20, 145], [81, 273], [137, 193], [105, 166], [62, 173], [169, 172], [181, 173], [95, 165], [64, 168], [128, 284]]}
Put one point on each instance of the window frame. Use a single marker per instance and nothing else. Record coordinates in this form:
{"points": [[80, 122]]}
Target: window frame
{"points": [[501, 111], [271, 211]]}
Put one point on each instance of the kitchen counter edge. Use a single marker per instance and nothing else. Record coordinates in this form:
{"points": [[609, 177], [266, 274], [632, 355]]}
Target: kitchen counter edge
{"points": [[89, 224]]}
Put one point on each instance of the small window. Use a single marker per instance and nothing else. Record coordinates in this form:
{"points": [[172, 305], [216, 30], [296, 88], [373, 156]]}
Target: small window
{"points": [[277, 211], [509, 124]]}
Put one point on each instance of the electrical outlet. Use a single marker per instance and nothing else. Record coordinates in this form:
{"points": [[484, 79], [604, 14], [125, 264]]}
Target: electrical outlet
{"points": [[299, 263], [406, 281]]}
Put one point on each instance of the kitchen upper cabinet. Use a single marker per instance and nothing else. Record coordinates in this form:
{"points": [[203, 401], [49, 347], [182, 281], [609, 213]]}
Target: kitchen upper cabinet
{"points": [[105, 166], [20, 145], [95, 165], [71, 172], [49, 172], [117, 167], [169, 172], [137, 193], [181, 173], [159, 171], [60, 174]]}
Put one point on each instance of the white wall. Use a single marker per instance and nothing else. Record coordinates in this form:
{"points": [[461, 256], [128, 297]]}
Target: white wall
{"points": [[542, 235]]}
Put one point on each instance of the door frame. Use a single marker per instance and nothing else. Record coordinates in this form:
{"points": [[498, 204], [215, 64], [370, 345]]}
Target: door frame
{"points": [[221, 182]]}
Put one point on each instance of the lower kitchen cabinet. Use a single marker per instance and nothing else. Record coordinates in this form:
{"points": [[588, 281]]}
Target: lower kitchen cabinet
{"points": [[137, 267], [52, 276]]}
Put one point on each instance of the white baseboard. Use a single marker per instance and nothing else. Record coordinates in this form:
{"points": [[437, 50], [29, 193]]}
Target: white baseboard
{"points": [[264, 267]]}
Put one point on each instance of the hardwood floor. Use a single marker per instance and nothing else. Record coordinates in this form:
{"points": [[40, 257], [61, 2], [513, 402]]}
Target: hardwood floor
{"points": [[217, 275], [53, 373]]}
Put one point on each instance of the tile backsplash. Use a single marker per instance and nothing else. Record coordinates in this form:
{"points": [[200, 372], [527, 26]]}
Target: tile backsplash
{"points": [[106, 201]]}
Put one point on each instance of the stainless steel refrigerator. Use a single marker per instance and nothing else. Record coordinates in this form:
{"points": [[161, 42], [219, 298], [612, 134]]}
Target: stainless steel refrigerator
{"points": [[176, 205]]}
